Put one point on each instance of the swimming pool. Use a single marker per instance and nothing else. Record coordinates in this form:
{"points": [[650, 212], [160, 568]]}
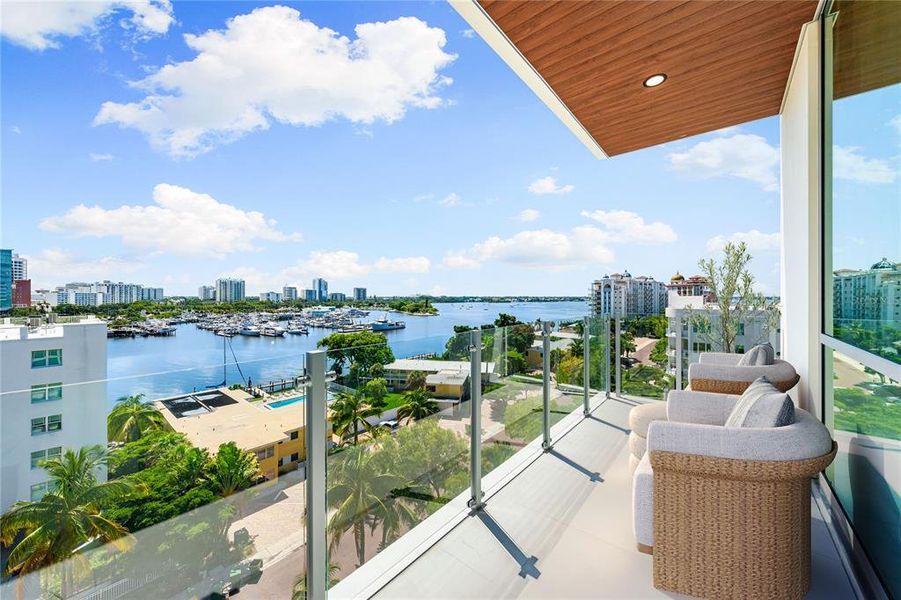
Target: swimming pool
{"points": [[285, 402]]}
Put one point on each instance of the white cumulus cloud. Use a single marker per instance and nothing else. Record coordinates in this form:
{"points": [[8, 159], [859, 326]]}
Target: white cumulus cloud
{"points": [[460, 260], [180, 222], [549, 185], [630, 227], [848, 163], [54, 266], [756, 241], [270, 65], [743, 155], [528, 215], [404, 264], [452, 200], [40, 25], [99, 157], [545, 248]]}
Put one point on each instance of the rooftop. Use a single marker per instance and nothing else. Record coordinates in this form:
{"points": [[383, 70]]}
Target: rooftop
{"points": [[18, 329], [433, 366], [237, 421]]}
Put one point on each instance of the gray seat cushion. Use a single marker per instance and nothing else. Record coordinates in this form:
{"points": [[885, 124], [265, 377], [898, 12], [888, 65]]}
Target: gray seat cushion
{"points": [[643, 502], [762, 405], [641, 416], [758, 356]]}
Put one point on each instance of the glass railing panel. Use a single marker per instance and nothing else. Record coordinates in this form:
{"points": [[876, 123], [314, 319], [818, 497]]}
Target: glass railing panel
{"points": [[643, 358], [600, 355], [567, 391], [511, 391], [400, 443], [184, 482]]}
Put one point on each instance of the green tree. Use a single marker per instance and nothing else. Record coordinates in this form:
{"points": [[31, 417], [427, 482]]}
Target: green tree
{"points": [[362, 349], [426, 455], [457, 347], [51, 529], [520, 338], [416, 380], [375, 391], [505, 320], [659, 353], [417, 405], [513, 362], [569, 370], [349, 412], [232, 469], [299, 591], [734, 299], [131, 418], [358, 488]]}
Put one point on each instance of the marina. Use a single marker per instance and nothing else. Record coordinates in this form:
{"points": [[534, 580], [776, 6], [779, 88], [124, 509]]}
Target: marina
{"points": [[192, 357]]}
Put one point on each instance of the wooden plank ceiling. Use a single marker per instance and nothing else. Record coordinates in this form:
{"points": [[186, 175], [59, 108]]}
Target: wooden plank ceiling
{"points": [[727, 62]]}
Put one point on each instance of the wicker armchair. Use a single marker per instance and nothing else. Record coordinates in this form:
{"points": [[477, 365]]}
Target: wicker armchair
{"points": [[726, 511], [719, 372]]}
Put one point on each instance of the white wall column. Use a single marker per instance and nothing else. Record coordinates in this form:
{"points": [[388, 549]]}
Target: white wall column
{"points": [[800, 132]]}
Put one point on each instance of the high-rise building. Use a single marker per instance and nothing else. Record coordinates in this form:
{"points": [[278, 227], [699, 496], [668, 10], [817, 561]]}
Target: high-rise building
{"points": [[229, 290], [621, 295], [20, 267], [153, 294], [270, 297], [206, 292], [321, 287], [21, 292], [289, 293], [359, 293], [310, 295], [337, 296], [872, 294], [52, 378], [6, 279]]}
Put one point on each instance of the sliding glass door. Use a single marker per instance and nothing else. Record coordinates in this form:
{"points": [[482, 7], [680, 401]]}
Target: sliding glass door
{"points": [[862, 271]]}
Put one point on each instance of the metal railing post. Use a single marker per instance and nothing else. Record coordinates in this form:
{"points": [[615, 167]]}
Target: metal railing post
{"points": [[619, 362], [316, 515], [678, 351], [475, 420], [607, 356], [586, 366], [546, 384]]}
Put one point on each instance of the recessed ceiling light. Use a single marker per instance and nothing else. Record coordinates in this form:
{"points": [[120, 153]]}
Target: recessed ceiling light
{"points": [[655, 80]]}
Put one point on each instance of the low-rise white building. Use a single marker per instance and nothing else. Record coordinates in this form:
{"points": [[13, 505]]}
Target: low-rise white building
{"points": [[52, 397]]}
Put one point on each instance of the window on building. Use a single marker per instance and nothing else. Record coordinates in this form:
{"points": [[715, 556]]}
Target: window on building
{"points": [[295, 435], [54, 422], [38, 425], [46, 358], [741, 329], [295, 457], [46, 391], [41, 455], [739, 348], [39, 490]]}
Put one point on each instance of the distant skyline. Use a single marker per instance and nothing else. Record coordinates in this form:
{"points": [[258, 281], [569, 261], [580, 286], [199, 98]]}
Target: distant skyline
{"points": [[377, 145]]}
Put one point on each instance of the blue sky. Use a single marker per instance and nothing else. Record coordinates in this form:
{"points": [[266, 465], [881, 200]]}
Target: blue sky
{"points": [[167, 145]]}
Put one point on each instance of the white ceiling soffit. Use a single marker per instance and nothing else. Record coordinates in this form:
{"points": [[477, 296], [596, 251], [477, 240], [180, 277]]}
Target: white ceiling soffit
{"points": [[479, 20]]}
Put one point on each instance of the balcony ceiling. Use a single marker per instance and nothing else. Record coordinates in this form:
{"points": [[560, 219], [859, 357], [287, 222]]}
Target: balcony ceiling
{"points": [[726, 62]]}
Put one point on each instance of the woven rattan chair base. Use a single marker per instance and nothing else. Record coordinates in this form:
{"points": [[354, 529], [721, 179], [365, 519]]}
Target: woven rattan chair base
{"points": [[726, 528], [723, 386]]}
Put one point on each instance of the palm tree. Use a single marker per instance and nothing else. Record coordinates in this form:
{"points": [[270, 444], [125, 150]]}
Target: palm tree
{"points": [[232, 470], [52, 528], [416, 380], [418, 405], [299, 592], [358, 489], [348, 412], [131, 418]]}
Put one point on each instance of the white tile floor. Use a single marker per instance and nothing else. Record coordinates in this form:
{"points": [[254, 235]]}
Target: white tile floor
{"points": [[562, 529]]}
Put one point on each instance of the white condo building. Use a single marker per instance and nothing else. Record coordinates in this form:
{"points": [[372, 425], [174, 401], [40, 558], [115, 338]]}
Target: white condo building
{"points": [[684, 338], [872, 294], [621, 295], [289, 293], [20, 267], [229, 290], [206, 292], [53, 390]]}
